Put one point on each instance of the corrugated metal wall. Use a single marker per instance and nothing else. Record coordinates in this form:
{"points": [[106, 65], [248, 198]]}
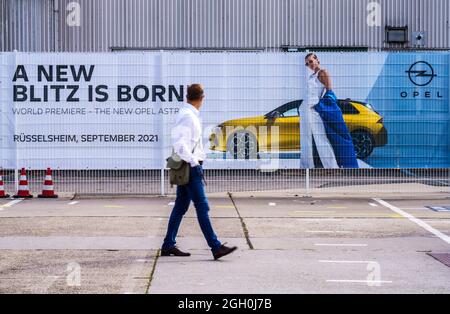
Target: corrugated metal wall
{"points": [[41, 25], [27, 25], [3, 25]]}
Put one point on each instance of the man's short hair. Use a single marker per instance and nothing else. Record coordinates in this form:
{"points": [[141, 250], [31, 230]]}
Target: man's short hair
{"points": [[194, 92]]}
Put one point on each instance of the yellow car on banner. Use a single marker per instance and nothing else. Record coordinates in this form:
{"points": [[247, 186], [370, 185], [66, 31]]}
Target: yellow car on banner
{"points": [[279, 131]]}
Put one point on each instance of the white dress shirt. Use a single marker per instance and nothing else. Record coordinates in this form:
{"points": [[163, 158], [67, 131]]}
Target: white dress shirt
{"points": [[187, 134]]}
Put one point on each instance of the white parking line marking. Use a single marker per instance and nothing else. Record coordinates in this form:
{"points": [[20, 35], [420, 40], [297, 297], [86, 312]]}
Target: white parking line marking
{"points": [[326, 231], [315, 211], [9, 204], [373, 204], [319, 219], [340, 244], [171, 203], [417, 221], [272, 204], [361, 281], [346, 262], [73, 203]]}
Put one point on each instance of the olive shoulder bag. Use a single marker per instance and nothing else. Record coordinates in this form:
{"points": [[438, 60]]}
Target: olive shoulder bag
{"points": [[178, 169]]}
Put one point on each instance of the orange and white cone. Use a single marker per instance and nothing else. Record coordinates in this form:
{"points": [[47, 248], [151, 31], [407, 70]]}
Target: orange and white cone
{"points": [[23, 191], [2, 187], [48, 190]]}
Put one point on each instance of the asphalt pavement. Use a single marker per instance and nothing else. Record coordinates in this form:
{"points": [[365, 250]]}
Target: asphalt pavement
{"points": [[286, 244]]}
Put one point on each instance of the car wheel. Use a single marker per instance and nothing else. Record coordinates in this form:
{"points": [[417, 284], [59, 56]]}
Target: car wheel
{"points": [[363, 143], [242, 145]]}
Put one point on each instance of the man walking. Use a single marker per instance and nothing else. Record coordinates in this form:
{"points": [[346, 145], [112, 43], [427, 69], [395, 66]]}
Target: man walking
{"points": [[187, 143]]}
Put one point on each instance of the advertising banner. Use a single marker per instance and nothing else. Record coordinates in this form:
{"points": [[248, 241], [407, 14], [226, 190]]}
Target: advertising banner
{"points": [[261, 111]]}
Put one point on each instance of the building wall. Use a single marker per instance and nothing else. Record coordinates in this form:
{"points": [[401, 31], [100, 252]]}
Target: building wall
{"points": [[105, 25]]}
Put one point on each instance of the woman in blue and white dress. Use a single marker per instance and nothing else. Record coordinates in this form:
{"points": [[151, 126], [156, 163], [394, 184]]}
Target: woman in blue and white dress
{"points": [[321, 121]]}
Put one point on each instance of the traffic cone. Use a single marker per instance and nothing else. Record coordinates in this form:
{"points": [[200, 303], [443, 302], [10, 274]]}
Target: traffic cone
{"points": [[23, 192], [2, 187], [48, 191]]}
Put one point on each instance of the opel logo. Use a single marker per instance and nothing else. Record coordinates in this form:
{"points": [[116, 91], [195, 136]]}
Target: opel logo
{"points": [[421, 73]]}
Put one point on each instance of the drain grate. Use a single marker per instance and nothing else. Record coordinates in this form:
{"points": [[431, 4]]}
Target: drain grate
{"points": [[439, 208], [444, 258]]}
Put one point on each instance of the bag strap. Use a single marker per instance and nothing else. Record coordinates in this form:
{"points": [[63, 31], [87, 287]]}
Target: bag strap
{"points": [[195, 146], [193, 149]]}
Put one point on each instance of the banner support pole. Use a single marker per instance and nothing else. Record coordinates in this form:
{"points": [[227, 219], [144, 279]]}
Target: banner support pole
{"points": [[16, 178], [163, 187], [307, 183]]}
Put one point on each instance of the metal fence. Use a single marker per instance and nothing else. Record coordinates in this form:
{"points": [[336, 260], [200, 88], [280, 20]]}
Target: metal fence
{"points": [[298, 182]]}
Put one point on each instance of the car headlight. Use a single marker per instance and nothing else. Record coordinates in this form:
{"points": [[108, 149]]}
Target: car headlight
{"points": [[372, 108]]}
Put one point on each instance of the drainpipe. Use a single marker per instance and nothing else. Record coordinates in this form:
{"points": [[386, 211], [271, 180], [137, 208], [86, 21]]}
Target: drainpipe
{"points": [[55, 19]]}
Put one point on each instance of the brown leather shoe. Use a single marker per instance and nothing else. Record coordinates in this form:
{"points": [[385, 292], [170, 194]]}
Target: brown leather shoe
{"points": [[174, 251], [223, 250]]}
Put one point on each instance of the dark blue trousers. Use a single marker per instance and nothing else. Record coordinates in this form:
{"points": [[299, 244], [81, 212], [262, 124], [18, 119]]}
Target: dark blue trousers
{"points": [[193, 191]]}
